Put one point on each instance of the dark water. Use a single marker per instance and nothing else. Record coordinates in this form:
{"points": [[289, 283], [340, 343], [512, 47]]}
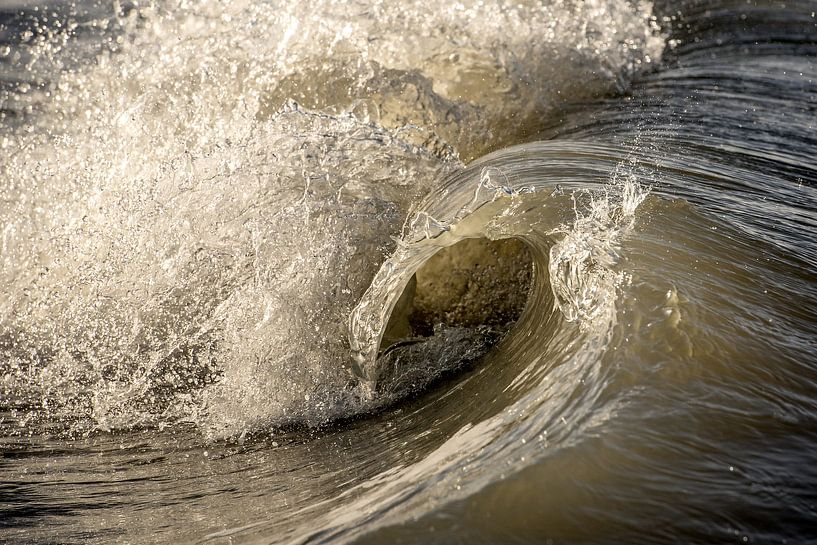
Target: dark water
{"points": [[229, 317]]}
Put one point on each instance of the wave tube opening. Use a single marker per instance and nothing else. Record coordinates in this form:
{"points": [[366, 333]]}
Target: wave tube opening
{"points": [[458, 304]]}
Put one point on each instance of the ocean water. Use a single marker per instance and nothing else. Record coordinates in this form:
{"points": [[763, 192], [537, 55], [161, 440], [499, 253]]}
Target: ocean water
{"points": [[392, 272]]}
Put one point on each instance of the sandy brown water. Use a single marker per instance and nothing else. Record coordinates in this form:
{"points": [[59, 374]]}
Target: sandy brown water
{"points": [[378, 274]]}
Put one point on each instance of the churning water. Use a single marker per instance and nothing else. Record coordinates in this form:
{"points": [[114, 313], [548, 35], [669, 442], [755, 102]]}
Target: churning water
{"points": [[397, 272]]}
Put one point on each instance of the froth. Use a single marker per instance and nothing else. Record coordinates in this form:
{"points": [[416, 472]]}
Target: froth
{"points": [[182, 241]]}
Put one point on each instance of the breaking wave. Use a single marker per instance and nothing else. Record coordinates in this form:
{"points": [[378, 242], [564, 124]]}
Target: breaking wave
{"points": [[190, 221]]}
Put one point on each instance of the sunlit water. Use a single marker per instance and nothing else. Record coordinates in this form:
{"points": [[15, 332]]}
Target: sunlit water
{"points": [[390, 273]]}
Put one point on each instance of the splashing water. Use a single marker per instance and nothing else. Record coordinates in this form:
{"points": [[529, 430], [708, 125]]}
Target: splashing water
{"points": [[185, 242], [386, 272], [581, 262]]}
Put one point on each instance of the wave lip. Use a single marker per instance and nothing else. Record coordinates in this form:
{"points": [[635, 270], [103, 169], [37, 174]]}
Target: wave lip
{"points": [[570, 224], [188, 185]]}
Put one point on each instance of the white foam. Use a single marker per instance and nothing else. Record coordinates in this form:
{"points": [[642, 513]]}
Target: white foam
{"points": [[181, 241]]}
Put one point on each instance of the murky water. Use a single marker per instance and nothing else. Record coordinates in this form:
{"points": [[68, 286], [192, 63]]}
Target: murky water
{"points": [[384, 272]]}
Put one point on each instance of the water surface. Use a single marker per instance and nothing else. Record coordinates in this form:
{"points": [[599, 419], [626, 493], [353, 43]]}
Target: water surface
{"points": [[376, 272]]}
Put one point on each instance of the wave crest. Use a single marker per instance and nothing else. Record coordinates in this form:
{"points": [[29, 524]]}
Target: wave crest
{"points": [[572, 238]]}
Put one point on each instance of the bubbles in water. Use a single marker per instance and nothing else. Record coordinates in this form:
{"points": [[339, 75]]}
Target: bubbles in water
{"points": [[183, 241], [581, 262]]}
